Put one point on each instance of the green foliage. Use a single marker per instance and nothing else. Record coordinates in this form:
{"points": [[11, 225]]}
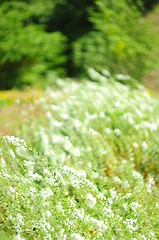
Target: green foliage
{"points": [[28, 53], [40, 40], [71, 19], [75, 16], [119, 41], [93, 172], [145, 5]]}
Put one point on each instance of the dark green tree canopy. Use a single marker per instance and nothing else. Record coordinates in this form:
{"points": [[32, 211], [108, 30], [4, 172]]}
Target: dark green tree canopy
{"points": [[71, 18], [41, 39], [145, 5]]}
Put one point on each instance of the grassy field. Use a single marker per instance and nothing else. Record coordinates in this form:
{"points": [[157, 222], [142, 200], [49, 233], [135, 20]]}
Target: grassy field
{"points": [[89, 167], [14, 106], [80, 161], [16, 101]]}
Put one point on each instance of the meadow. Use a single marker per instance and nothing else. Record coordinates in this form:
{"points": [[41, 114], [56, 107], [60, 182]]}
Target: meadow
{"points": [[83, 161], [79, 145]]}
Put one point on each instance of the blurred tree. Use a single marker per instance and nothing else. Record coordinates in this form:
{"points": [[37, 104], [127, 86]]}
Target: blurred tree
{"points": [[119, 41], [39, 39], [71, 17], [145, 5], [27, 51]]}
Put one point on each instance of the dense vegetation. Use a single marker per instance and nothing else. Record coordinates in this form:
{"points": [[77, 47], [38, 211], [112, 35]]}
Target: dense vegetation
{"points": [[93, 172], [27, 51], [145, 5], [42, 39], [83, 161]]}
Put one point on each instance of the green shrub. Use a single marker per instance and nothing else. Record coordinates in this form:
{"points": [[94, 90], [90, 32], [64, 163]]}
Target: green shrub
{"points": [[36, 45], [27, 52], [120, 41], [145, 5]]}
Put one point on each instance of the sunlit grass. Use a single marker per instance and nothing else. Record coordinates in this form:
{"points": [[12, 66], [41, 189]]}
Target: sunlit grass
{"points": [[14, 96], [92, 171]]}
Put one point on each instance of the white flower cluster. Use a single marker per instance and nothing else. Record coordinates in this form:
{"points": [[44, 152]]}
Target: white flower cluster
{"points": [[95, 174], [14, 140]]}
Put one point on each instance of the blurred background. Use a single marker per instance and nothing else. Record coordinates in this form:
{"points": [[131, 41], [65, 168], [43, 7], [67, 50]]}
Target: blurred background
{"points": [[42, 40]]}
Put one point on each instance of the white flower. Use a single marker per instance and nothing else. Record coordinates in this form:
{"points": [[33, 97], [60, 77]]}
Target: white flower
{"points": [[80, 213], [14, 140], [99, 224], [134, 206], [122, 77], [89, 164], [106, 73], [157, 204], [77, 123], [144, 145], [131, 224], [130, 120], [113, 193], [92, 200], [76, 152], [12, 153], [117, 131], [125, 206], [57, 139], [49, 115], [139, 113], [93, 132], [126, 184], [150, 185], [94, 75], [76, 236], [108, 131], [82, 174], [143, 237], [57, 124], [65, 116], [90, 116], [117, 104], [102, 115], [48, 226], [52, 181], [117, 179], [3, 162], [12, 189], [28, 163], [136, 175], [54, 107], [35, 176], [89, 149], [48, 213], [95, 174], [68, 144], [46, 193], [109, 212], [18, 237], [20, 219], [135, 144], [32, 191]]}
